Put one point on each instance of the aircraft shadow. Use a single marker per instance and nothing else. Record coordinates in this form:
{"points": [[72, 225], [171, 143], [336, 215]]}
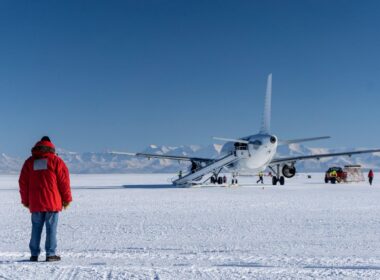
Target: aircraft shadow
{"points": [[126, 187], [365, 267], [16, 261], [97, 188], [244, 265]]}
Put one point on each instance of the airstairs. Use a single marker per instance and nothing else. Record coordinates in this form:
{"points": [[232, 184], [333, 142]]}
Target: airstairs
{"points": [[210, 168]]}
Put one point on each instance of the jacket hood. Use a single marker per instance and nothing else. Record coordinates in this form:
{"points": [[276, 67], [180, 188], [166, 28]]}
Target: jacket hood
{"points": [[43, 149]]}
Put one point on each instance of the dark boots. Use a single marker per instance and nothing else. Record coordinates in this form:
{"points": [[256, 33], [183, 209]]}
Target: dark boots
{"points": [[53, 258], [48, 258]]}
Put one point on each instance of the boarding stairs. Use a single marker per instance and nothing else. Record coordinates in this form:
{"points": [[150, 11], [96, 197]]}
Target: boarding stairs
{"points": [[210, 168]]}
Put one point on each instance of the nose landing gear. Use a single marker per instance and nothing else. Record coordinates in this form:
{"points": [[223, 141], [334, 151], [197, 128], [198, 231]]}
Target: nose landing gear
{"points": [[277, 178]]}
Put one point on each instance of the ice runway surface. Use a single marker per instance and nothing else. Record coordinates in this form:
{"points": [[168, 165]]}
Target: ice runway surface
{"points": [[131, 227]]}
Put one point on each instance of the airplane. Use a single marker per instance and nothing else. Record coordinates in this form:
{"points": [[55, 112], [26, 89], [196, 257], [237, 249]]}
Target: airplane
{"points": [[246, 155]]}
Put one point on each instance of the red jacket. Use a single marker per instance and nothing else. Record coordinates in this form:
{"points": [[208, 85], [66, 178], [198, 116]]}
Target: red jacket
{"points": [[370, 174], [44, 180]]}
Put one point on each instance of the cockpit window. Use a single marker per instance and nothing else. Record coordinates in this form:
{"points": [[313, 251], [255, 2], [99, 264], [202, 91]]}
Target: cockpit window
{"points": [[241, 146], [257, 143]]}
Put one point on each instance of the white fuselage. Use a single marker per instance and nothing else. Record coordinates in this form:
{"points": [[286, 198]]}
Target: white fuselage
{"points": [[253, 156]]}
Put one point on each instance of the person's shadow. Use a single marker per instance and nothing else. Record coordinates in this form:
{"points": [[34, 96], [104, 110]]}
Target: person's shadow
{"points": [[167, 186], [15, 261], [150, 186]]}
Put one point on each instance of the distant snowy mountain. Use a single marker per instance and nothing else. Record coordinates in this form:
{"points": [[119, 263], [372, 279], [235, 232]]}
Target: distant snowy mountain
{"points": [[103, 162], [9, 165]]}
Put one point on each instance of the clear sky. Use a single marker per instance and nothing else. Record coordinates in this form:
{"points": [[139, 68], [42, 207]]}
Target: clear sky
{"points": [[97, 75]]}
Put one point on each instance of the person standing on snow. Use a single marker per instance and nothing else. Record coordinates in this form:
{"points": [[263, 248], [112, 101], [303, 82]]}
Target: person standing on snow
{"points": [[44, 188], [370, 176], [261, 178]]}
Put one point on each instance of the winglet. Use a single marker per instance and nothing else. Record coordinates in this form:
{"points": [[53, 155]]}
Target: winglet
{"points": [[265, 125]]}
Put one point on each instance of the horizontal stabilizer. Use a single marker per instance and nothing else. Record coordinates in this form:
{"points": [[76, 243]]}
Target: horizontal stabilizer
{"points": [[287, 142]]}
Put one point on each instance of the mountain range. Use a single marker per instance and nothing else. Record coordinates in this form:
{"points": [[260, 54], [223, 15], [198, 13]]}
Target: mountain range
{"points": [[104, 162]]}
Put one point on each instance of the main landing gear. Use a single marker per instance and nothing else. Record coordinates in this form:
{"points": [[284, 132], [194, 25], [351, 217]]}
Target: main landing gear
{"points": [[220, 180], [277, 178], [216, 179]]}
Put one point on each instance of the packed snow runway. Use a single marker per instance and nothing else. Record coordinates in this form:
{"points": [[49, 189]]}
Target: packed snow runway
{"points": [[130, 227]]}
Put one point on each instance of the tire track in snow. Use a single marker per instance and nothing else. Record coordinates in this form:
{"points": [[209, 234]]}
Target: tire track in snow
{"points": [[60, 274], [2, 276], [73, 273], [156, 277], [108, 274]]}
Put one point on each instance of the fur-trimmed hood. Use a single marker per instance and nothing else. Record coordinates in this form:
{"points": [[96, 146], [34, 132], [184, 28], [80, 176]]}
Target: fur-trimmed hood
{"points": [[43, 149]]}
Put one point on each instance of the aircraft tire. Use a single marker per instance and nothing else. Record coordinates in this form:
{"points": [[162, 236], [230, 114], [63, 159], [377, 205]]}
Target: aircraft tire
{"points": [[274, 180], [220, 180], [282, 180]]}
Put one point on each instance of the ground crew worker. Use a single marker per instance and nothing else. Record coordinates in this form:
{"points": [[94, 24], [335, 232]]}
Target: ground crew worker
{"points": [[193, 167], [44, 188], [334, 174], [370, 176], [261, 178]]}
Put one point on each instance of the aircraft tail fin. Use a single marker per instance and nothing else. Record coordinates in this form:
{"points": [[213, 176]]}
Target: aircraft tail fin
{"points": [[265, 125]]}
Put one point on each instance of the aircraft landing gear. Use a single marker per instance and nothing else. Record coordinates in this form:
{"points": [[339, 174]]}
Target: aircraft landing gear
{"points": [[216, 179], [213, 179], [277, 178], [282, 180], [220, 180], [274, 180]]}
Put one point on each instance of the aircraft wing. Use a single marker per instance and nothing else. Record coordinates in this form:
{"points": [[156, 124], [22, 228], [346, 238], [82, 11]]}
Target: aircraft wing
{"points": [[293, 141], [170, 157], [294, 159]]}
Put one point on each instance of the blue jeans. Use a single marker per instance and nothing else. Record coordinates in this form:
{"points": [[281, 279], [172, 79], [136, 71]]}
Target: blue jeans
{"points": [[51, 221]]}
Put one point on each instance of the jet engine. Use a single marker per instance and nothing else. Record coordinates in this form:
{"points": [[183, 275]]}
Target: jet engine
{"points": [[288, 171]]}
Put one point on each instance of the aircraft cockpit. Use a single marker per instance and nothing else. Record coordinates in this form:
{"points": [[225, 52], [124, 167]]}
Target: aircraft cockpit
{"points": [[241, 146]]}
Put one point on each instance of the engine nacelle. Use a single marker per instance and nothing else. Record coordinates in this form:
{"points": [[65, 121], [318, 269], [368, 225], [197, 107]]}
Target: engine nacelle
{"points": [[288, 171]]}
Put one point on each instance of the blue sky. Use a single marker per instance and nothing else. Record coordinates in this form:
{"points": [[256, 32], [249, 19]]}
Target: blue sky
{"points": [[97, 75]]}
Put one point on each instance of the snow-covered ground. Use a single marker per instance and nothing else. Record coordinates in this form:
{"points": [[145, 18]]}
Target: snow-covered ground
{"points": [[129, 227]]}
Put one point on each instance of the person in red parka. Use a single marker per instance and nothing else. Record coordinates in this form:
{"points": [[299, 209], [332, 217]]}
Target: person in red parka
{"points": [[45, 189], [370, 177]]}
